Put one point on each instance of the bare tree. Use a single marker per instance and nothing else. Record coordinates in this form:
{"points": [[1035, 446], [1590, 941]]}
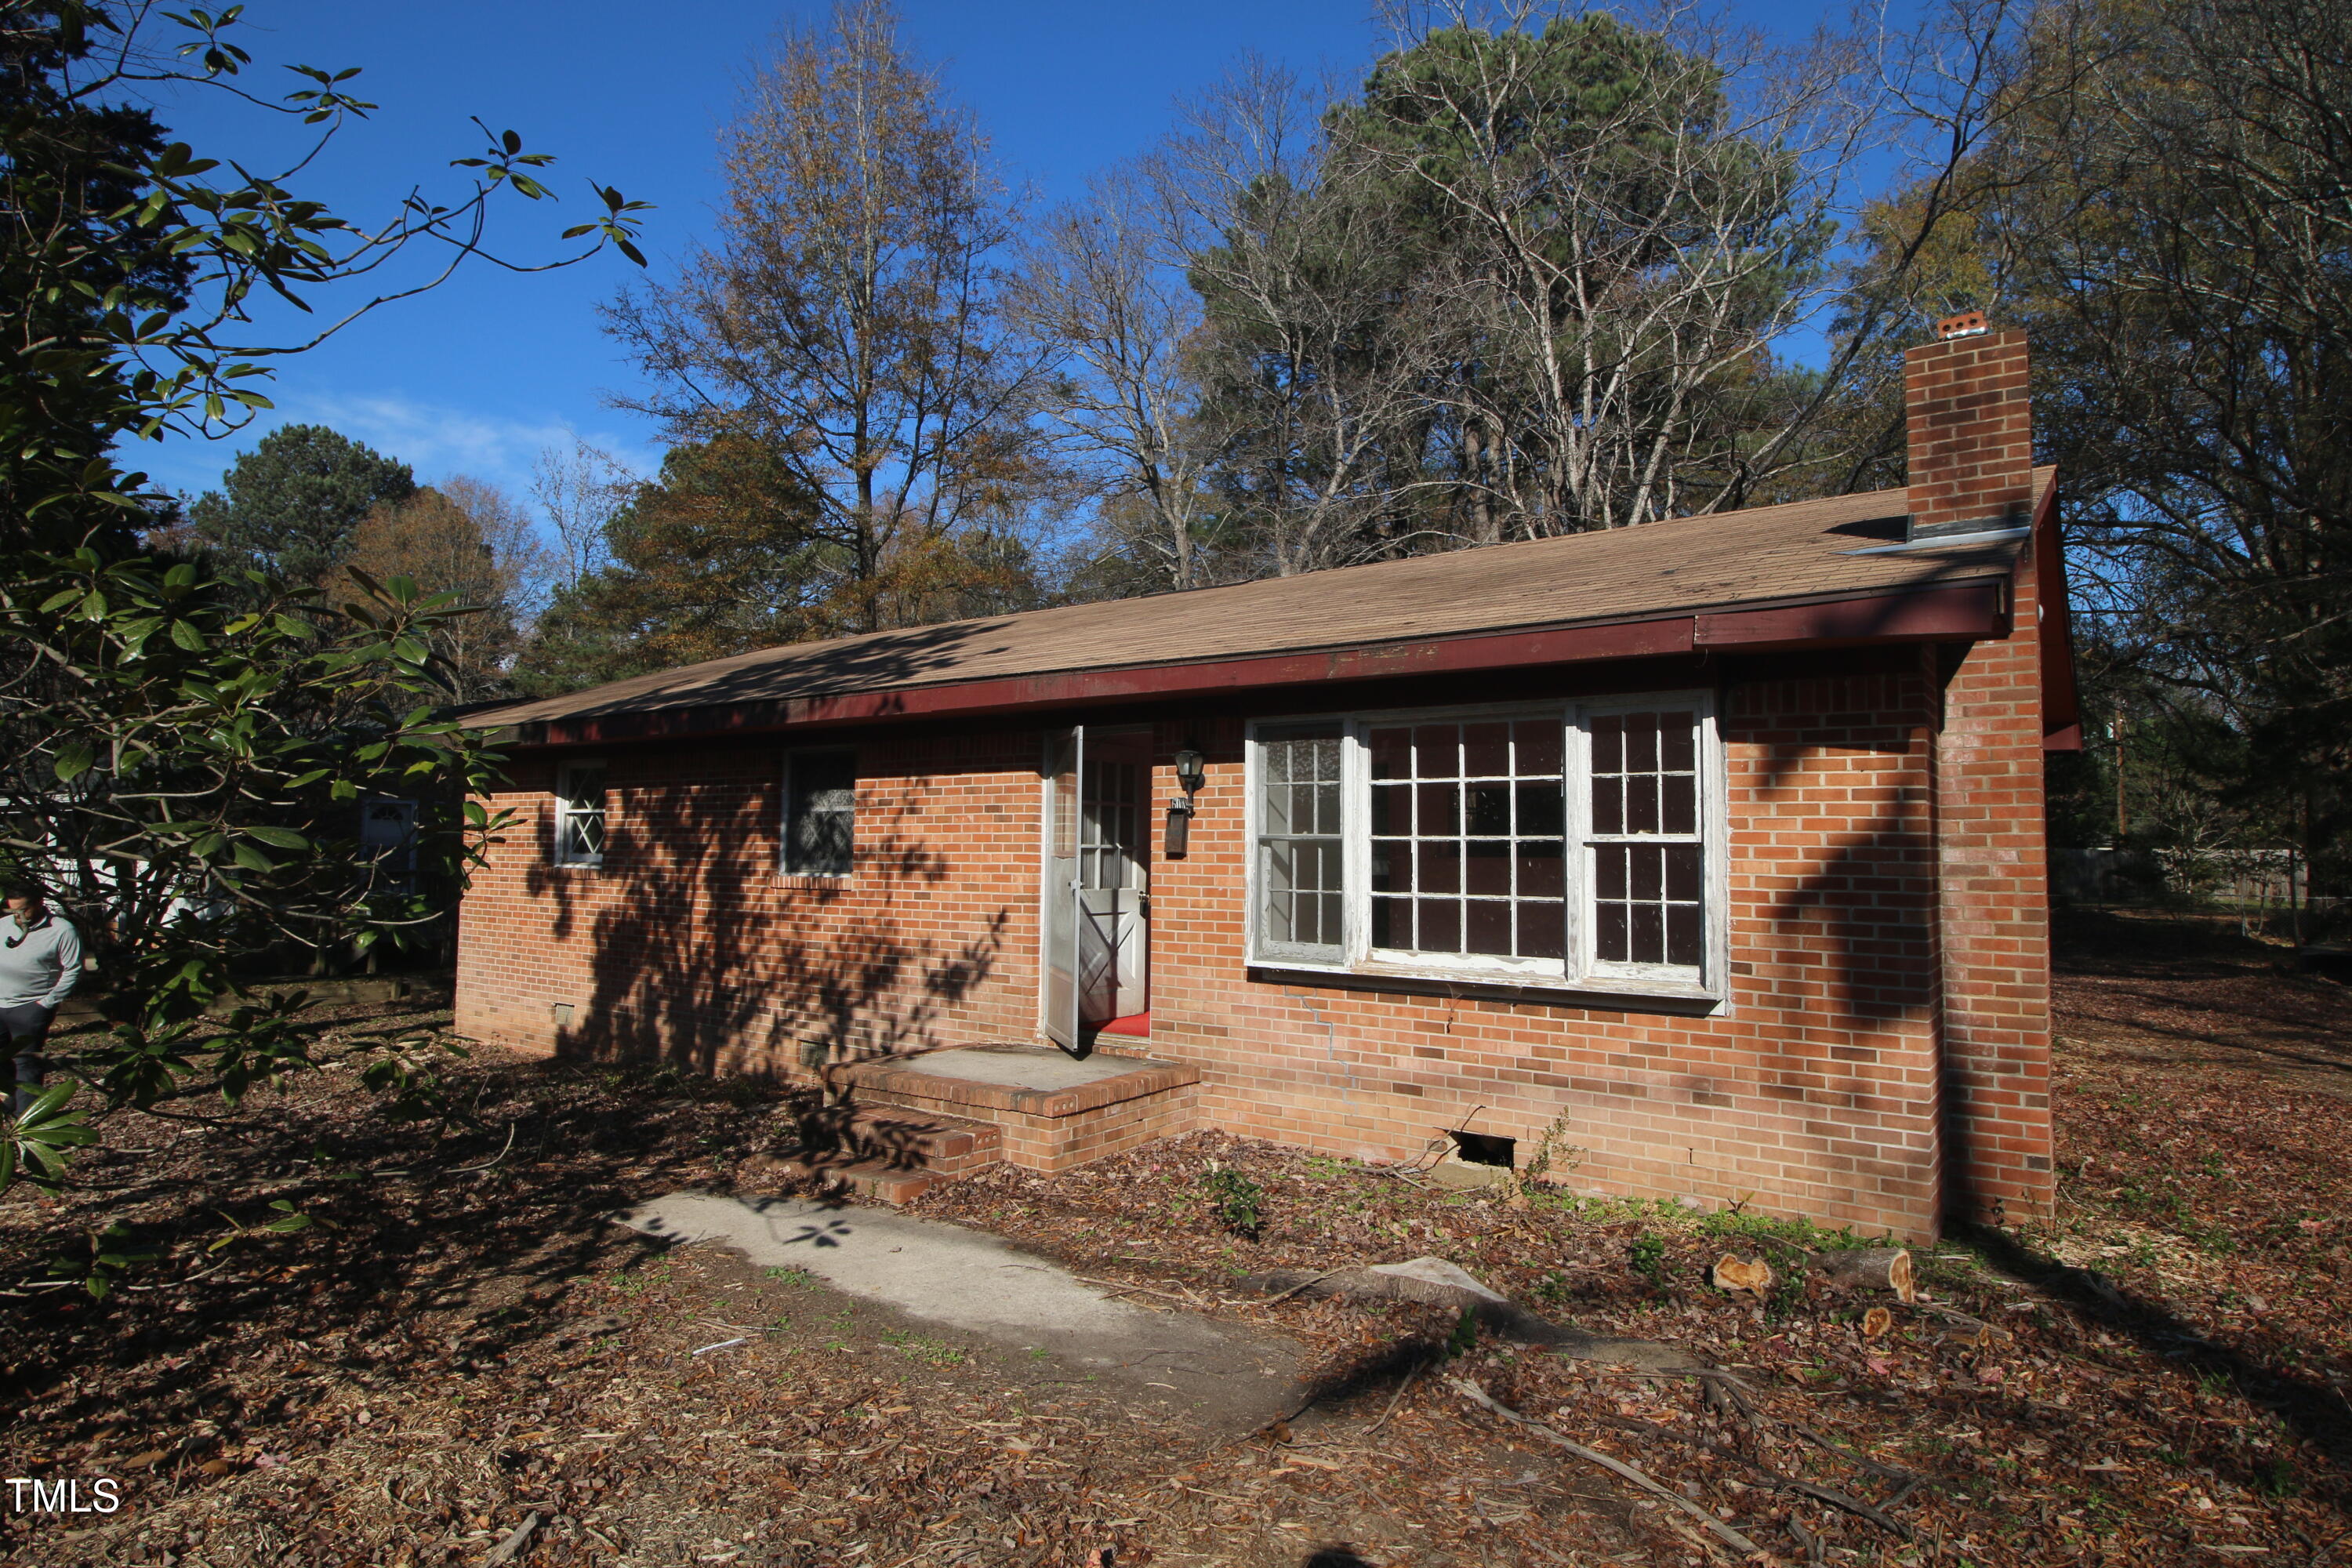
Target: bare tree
{"points": [[846, 315], [580, 490], [1103, 282], [1632, 219], [2171, 218]]}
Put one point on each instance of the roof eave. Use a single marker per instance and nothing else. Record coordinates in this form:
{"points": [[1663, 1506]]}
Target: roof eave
{"points": [[1964, 611]]}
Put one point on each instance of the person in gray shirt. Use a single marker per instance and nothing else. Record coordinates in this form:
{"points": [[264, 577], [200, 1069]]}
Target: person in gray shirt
{"points": [[40, 962]]}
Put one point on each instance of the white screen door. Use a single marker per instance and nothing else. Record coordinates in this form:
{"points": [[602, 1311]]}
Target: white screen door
{"points": [[1064, 773], [1113, 900], [1097, 910]]}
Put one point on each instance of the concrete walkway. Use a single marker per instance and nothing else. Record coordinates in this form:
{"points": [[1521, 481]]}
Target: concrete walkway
{"points": [[969, 1280]]}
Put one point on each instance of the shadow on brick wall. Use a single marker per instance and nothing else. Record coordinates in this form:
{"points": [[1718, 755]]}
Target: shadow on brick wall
{"points": [[705, 959]]}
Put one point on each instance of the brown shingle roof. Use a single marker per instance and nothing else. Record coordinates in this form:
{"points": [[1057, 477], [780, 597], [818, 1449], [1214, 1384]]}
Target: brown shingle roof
{"points": [[1806, 551]]}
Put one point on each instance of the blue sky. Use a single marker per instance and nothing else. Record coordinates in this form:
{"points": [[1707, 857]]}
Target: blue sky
{"points": [[479, 377]]}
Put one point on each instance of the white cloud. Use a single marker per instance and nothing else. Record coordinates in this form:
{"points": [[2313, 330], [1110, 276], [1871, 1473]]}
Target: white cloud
{"points": [[436, 440]]}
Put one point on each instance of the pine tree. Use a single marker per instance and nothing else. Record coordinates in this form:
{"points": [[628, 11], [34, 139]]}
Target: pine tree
{"points": [[290, 505]]}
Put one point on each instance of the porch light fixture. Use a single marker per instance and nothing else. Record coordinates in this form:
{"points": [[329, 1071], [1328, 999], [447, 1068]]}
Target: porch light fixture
{"points": [[1190, 772], [1191, 775]]}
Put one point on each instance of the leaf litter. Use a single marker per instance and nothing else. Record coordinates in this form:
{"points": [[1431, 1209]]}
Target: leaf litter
{"points": [[2156, 1377]]}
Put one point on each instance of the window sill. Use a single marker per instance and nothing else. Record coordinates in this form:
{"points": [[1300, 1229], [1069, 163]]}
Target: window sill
{"points": [[1636, 994], [817, 880], [575, 865]]}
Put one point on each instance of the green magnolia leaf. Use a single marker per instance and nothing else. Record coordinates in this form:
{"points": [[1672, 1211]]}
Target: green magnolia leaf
{"points": [[73, 759], [279, 837], [44, 1109]]}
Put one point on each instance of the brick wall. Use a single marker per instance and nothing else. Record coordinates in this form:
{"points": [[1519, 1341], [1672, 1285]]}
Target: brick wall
{"points": [[1815, 1091], [689, 943], [1970, 438], [1995, 926], [1968, 427]]}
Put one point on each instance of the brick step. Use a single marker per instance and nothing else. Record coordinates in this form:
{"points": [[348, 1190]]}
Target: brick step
{"points": [[1050, 1114], [897, 1138], [877, 1179]]}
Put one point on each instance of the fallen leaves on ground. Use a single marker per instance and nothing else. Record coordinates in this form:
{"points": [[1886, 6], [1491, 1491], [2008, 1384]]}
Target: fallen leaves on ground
{"points": [[2152, 1379]]}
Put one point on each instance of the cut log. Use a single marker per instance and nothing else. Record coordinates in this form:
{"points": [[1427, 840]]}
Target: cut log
{"points": [[1868, 1269], [1736, 1273]]}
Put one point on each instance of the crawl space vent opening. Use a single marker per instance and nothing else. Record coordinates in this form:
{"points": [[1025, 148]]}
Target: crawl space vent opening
{"points": [[1484, 1148]]}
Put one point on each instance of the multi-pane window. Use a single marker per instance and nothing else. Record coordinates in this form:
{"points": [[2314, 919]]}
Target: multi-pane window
{"points": [[1468, 828], [580, 813], [820, 813], [1565, 846], [1648, 853], [1301, 849]]}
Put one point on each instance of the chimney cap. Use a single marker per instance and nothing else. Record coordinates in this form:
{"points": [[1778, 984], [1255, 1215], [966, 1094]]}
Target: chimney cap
{"points": [[1966, 324]]}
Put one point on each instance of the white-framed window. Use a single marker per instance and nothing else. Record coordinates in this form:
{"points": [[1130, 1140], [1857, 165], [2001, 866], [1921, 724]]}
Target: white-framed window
{"points": [[820, 813], [580, 813], [1300, 865], [1574, 846]]}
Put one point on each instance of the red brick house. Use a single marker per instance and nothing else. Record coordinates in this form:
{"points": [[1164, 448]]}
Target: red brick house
{"points": [[1719, 840]]}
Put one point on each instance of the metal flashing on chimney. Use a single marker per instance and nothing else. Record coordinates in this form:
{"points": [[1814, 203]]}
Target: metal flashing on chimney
{"points": [[1949, 529], [1991, 532]]}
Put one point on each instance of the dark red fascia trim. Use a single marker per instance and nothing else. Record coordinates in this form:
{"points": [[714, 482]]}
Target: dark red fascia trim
{"points": [[1961, 612]]}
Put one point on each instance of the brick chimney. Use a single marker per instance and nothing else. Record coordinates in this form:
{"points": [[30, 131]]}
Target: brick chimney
{"points": [[1971, 429]]}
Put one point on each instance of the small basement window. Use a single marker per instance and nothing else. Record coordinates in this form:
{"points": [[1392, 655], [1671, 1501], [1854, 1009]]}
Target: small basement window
{"points": [[580, 813]]}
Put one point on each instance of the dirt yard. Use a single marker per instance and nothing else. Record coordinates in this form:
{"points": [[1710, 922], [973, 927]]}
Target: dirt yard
{"points": [[464, 1362]]}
